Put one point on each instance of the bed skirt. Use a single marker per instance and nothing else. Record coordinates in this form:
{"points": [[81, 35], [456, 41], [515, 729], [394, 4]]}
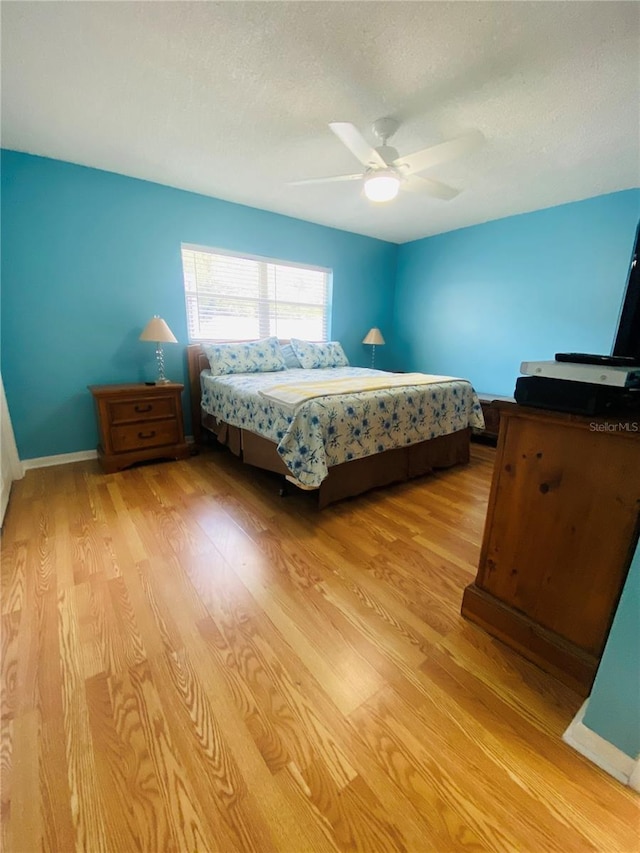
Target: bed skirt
{"points": [[358, 475]]}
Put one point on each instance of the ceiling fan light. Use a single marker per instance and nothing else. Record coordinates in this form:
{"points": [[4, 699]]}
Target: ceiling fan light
{"points": [[381, 186]]}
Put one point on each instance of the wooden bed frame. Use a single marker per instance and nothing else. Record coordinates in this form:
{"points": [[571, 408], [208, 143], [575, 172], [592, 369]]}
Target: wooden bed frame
{"points": [[345, 480]]}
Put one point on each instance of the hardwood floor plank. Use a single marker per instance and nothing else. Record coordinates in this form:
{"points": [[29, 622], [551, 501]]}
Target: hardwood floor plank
{"points": [[118, 775], [199, 739], [9, 697], [55, 796], [14, 572], [128, 546], [25, 829], [181, 807], [29, 641], [324, 744], [86, 801], [133, 647], [126, 735], [266, 716], [7, 820], [58, 832]]}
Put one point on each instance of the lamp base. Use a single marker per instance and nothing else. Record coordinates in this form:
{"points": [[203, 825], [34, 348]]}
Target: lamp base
{"points": [[163, 381]]}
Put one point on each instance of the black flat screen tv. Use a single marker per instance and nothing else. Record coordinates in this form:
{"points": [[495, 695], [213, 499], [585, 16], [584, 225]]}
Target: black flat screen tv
{"points": [[627, 341]]}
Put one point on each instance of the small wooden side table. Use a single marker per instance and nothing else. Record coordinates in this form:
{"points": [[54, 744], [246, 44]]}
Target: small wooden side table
{"points": [[491, 412], [139, 422]]}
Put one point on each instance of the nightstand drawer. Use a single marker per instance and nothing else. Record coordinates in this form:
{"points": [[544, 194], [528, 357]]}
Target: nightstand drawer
{"points": [[132, 411], [140, 435]]}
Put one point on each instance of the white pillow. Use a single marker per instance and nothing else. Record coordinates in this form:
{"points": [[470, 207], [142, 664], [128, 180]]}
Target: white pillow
{"points": [[262, 356], [310, 355]]}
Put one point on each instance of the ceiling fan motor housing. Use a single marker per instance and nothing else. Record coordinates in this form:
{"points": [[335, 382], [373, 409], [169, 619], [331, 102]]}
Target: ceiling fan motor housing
{"points": [[388, 153], [384, 128]]}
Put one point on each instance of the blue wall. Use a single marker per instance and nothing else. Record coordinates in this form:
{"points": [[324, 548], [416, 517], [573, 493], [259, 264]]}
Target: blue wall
{"points": [[614, 705], [478, 301], [89, 256]]}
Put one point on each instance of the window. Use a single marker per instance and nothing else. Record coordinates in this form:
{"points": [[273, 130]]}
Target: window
{"points": [[233, 297]]}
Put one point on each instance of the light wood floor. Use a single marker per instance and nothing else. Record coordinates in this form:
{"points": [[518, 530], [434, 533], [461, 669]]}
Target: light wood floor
{"points": [[190, 662]]}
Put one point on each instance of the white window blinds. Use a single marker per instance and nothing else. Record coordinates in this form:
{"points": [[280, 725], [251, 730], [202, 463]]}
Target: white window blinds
{"points": [[231, 297]]}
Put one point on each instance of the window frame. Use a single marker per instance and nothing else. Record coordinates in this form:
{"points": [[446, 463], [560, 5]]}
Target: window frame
{"points": [[261, 259]]}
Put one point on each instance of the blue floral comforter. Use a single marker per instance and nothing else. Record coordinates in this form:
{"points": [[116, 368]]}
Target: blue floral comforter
{"points": [[326, 431]]}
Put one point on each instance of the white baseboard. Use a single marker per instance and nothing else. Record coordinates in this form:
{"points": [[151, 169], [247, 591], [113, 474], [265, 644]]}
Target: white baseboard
{"points": [[4, 499], [59, 459], [65, 458], [608, 757]]}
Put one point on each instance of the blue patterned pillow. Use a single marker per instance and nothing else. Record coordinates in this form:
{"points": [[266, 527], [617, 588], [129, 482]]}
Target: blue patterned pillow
{"points": [[290, 358], [256, 357], [329, 354]]}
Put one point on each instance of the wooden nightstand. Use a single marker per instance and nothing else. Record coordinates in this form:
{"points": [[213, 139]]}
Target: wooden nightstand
{"points": [[138, 423], [491, 414]]}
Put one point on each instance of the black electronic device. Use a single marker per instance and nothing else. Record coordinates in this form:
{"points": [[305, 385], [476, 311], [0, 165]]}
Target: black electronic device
{"points": [[627, 342], [578, 398], [605, 360]]}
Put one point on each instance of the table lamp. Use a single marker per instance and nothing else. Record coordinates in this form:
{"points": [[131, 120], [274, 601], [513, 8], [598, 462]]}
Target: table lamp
{"points": [[158, 331], [374, 338]]}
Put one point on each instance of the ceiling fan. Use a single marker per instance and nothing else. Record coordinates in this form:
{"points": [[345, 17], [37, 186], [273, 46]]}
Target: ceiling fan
{"points": [[386, 172]]}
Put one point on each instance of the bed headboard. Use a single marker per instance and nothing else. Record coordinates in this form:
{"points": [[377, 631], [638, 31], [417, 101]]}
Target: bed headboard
{"points": [[197, 361]]}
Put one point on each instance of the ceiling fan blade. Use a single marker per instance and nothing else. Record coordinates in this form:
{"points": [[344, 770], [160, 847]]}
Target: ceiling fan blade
{"points": [[442, 153], [417, 184], [332, 180], [350, 136]]}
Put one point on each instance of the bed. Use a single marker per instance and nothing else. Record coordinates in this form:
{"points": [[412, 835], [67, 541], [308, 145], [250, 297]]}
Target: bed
{"points": [[338, 444]]}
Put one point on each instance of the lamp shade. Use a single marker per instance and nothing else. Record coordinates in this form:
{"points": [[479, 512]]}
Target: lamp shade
{"points": [[382, 185], [158, 331], [374, 336]]}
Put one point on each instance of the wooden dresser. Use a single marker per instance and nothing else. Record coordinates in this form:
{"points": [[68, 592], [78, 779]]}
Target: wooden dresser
{"points": [[138, 423], [562, 525]]}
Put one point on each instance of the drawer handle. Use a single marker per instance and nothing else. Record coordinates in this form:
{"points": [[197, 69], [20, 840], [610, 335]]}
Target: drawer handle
{"points": [[141, 409], [147, 434]]}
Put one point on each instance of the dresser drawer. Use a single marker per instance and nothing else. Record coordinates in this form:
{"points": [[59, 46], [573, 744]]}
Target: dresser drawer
{"points": [[130, 411], [140, 435]]}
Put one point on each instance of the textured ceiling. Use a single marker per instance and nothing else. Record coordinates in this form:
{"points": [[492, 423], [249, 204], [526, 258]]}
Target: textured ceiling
{"points": [[233, 99]]}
